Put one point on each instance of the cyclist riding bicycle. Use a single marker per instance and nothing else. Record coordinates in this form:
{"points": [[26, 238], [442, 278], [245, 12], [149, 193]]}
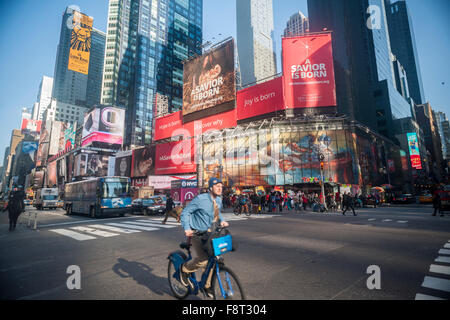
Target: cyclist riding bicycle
{"points": [[196, 220]]}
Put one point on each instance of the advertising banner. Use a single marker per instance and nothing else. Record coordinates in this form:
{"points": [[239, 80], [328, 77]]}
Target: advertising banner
{"points": [[68, 133], [38, 179], [104, 125], [122, 167], [42, 153], [52, 179], [172, 125], [414, 153], [308, 71], [142, 163], [80, 43], [31, 126], [260, 99], [175, 157], [209, 83], [164, 182], [54, 138]]}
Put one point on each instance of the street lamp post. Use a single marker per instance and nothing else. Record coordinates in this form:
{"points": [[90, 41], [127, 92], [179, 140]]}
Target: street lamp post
{"points": [[322, 182]]}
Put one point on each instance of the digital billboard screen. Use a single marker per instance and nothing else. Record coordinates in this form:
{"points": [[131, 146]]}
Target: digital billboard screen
{"points": [[209, 83], [308, 71], [143, 163], [175, 157], [414, 153], [104, 126], [260, 99]]}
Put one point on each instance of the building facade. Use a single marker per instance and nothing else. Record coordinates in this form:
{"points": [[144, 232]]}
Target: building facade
{"points": [[403, 45], [365, 78], [74, 87], [255, 40], [43, 98], [147, 41], [298, 24], [65, 112]]}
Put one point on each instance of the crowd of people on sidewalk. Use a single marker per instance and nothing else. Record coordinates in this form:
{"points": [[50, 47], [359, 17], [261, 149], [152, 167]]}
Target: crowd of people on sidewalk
{"points": [[278, 202]]}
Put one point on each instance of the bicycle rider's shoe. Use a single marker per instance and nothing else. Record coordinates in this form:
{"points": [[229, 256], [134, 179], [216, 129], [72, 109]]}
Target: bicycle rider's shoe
{"points": [[184, 277], [208, 292]]}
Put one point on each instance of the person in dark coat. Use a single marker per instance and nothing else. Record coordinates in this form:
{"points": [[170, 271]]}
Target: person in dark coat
{"points": [[348, 203], [437, 204], [15, 206]]}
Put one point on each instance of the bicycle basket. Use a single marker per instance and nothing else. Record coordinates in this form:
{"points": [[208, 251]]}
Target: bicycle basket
{"points": [[222, 245]]}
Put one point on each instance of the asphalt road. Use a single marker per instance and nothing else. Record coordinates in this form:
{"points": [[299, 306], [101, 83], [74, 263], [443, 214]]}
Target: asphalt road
{"points": [[293, 256]]}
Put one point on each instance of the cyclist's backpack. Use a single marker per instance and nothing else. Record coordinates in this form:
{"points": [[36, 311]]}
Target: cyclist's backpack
{"points": [[216, 243]]}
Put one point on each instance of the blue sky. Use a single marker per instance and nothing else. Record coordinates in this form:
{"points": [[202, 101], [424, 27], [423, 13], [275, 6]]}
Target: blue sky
{"points": [[31, 34]]}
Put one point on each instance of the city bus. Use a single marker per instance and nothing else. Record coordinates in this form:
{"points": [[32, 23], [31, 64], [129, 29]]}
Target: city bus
{"points": [[97, 197]]}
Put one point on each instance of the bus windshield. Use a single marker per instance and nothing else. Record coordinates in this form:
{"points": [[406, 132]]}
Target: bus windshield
{"points": [[116, 189], [48, 197]]}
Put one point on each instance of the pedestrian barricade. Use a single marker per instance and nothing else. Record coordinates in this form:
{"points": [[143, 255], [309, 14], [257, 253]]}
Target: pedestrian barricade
{"points": [[30, 219]]}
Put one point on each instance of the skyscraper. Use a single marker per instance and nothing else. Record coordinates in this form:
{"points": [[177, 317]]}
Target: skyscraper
{"points": [[298, 23], [255, 40], [146, 44], [75, 87], [366, 86], [44, 98], [403, 45]]}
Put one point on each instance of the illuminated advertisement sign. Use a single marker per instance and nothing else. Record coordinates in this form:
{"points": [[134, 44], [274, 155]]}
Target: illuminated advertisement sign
{"points": [[143, 164], [104, 125], [80, 43], [172, 125], [260, 99], [308, 71], [414, 153], [209, 83], [175, 157], [31, 126]]}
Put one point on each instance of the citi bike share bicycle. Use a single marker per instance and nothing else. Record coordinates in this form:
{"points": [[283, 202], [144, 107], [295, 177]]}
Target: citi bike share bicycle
{"points": [[225, 284]]}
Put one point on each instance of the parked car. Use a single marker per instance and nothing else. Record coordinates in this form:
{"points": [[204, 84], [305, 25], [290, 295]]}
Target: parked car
{"points": [[404, 198], [147, 206]]}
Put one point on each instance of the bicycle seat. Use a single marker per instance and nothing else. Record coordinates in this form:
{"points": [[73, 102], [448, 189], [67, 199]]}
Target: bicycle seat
{"points": [[184, 245]]}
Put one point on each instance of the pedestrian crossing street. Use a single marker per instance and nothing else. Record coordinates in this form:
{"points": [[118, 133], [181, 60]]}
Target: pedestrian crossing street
{"points": [[437, 283], [113, 229]]}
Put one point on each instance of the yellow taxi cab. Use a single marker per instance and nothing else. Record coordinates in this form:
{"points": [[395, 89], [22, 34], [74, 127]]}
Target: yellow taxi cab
{"points": [[425, 197]]}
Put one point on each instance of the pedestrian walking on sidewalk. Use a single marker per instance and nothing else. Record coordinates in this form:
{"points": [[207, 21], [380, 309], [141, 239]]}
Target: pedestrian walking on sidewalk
{"points": [[437, 205], [348, 203], [15, 206]]}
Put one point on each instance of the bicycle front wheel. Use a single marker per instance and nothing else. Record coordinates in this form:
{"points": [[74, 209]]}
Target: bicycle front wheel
{"points": [[226, 285], [177, 288]]}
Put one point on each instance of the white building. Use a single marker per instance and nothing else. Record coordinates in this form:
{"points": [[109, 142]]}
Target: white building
{"points": [[255, 40], [43, 98], [65, 112], [298, 24]]}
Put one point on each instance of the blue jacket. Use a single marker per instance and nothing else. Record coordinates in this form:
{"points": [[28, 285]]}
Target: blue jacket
{"points": [[199, 214]]}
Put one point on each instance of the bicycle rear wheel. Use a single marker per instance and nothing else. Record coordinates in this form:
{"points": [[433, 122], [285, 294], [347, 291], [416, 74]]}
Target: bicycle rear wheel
{"points": [[177, 288], [226, 285]]}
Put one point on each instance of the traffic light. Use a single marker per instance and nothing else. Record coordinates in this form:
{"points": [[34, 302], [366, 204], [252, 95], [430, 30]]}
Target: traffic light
{"points": [[321, 165]]}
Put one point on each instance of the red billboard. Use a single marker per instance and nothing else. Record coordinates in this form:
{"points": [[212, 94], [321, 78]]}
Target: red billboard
{"points": [[175, 157], [168, 126], [308, 71], [261, 99], [31, 126]]}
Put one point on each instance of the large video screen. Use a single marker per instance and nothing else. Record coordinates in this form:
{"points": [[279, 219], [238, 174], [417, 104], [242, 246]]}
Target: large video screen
{"points": [[209, 83]]}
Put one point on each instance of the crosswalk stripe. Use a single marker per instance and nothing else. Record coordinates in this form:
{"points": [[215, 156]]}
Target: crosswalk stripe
{"points": [[421, 296], [447, 245], [402, 221], [160, 222], [442, 259], [387, 220], [146, 223], [371, 219], [73, 234], [439, 269], [111, 228], [95, 232], [444, 251], [131, 226], [436, 283]]}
